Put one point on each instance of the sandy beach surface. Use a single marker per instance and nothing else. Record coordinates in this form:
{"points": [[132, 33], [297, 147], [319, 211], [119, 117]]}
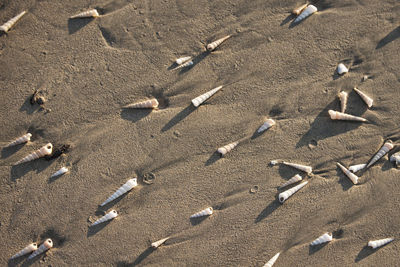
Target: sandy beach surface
{"points": [[88, 69]]}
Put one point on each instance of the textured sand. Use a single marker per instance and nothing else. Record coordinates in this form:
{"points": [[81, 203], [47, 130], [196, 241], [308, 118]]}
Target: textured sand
{"points": [[88, 69]]}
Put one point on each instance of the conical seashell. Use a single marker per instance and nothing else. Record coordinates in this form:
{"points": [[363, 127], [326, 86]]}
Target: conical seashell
{"points": [[92, 13], [303, 168], [7, 26], [369, 101], [322, 239], [182, 60], [382, 152], [48, 244], [352, 176], [26, 250], [184, 65], [151, 103], [292, 180], [59, 172], [23, 139], [336, 115], [43, 151], [109, 216], [131, 183], [200, 99], [395, 158], [272, 261], [205, 212], [343, 101], [342, 69], [308, 11], [158, 243], [285, 195], [356, 168], [225, 149], [379, 243], [298, 10], [267, 124], [215, 44]]}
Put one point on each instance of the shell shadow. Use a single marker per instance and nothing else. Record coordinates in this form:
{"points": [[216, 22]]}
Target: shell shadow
{"points": [[138, 260], [365, 252], [287, 19], [344, 181], [214, 158], [178, 117], [17, 171], [288, 172], [268, 210], [57, 238], [8, 151], [75, 25], [315, 249], [198, 220], [55, 178], [28, 107], [134, 115], [97, 228], [391, 36]]}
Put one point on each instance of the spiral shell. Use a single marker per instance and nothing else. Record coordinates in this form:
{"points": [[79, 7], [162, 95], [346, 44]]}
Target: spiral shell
{"points": [[369, 101], [109, 216], [182, 60], [308, 11], [184, 65], [60, 172], [131, 183], [20, 140], [354, 178], [356, 168], [200, 99], [322, 239], [288, 193], [379, 243], [382, 152], [267, 124], [7, 26], [292, 180], [92, 13], [158, 243], [395, 158], [151, 103], [297, 11], [225, 149], [205, 212], [336, 115], [307, 169], [343, 101], [342, 69], [43, 151], [272, 261], [48, 244], [212, 46], [28, 249]]}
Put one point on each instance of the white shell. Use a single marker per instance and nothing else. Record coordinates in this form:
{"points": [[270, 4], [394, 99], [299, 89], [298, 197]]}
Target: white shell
{"points": [[200, 99], [59, 172], [308, 11], [184, 65], [23, 139], [272, 261], [292, 180], [48, 244], [369, 101], [159, 243], [131, 183], [356, 168], [43, 151], [273, 162], [28, 249], [267, 124], [322, 239], [379, 243], [352, 176], [92, 13], [205, 212], [151, 103], [109, 216], [341, 69], [215, 44], [225, 149], [336, 115], [7, 26], [182, 60], [382, 152], [395, 158], [300, 167], [285, 195], [297, 11], [343, 101]]}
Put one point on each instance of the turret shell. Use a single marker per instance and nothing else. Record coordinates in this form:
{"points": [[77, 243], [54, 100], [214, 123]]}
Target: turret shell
{"points": [[184, 65], [151, 103], [20, 140], [92, 13], [369, 101], [60, 172], [342, 69], [46, 150], [308, 11], [288, 193], [131, 183], [225, 149], [212, 46], [335, 115], [395, 158], [205, 212], [109, 216], [382, 152], [304, 168], [379, 243], [158, 243], [7, 26], [48, 244], [200, 99], [293, 180], [352, 176], [356, 168], [267, 124], [343, 96], [28, 249], [272, 261], [182, 60], [297, 11], [327, 237]]}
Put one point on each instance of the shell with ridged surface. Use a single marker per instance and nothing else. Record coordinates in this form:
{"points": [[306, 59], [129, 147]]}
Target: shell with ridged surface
{"points": [[46, 150], [308, 11], [382, 152], [131, 183], [47, 244], [336, 115], [109, 216], [327, 237], [20, 140], [150, 103], [28, 249], [288, 193], [212, 46], [379, 243], [272, 261], [205, 212], [7, 26], [92, 13], [201, 98]]}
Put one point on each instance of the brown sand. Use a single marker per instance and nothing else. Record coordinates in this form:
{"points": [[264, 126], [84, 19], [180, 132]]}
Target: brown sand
{"points": [[88, 69]]}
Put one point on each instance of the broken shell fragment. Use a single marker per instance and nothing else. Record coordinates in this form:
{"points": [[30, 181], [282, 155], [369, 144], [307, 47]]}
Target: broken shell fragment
{"points": [[131, 183], [158, 243], [352, 176], [297, 11], [60, 172], [205, 212], [322, 239], [272, 261], [182, 60], [369, 101], [288, 193], [341, 69], [43, 151], [308, 11], [184, 65], [343, 101], [225, 149], [212, 46], [356, 168], [48, 244], [151, 103], [20, 140], [267, 124], [382, 152], [292, 180], [336, 115], [109, 216], [395, 158], [7, 26], [28, 249], [304, 168], [200, 99], [379, 243], [92, 13]]}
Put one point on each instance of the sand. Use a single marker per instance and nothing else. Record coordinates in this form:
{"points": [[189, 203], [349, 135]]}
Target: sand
{"points": [[88, 69]]}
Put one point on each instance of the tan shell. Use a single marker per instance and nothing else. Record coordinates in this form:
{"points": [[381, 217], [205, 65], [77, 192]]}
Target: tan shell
{"points": [[202, 98], [336, 115], [151, 103], [48, 244], [182, 60], [7, 26], [343, 96], [288, 193], [304, 168], [382, 152], [308, 11], [92, 13], [46, 150], [369, 101], [205, 212], [20, 140], [184, 65], [28, 249], [299, 9], [352, 176], [158, 243], [379, 243], [215, 44], [227, 148]]}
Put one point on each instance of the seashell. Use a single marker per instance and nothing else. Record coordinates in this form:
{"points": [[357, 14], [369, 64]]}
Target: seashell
{"points": [[28, 249], [158, 243], [322, 239], [308, 11], [336, 115], [59, 172], [23, 139], [285, 195], [384, 149], [356, 168], [352, 176], [298, 10], [200, 99], [184, 65], [215, 44], [205, 212], [92, 13], [343, 101], [48, 244], [292, 180], [267, 124], [273, 162], [131, 183], [182, 60], [272, 261], [379, 243], [341, 69], [225, 149], [43, 151], [364, 97], [151, 103], [395, 158], [109, 216], [303, 168], [7, 26]]}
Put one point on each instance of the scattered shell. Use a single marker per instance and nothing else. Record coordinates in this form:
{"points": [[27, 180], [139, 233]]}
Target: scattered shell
{"points": [[48, 244], [151, 103], [215, 44], [131, 183], [182, 60], [148, 178], [43, 151], [60, 172], [285, 195], [225, 149], [369, 101], [200, 99], [352, 176], [92, 13], [342, 69], [356, 168], [273, 162], [379, 243], [267, 124], [23, 139], [272, 261], [158, 243], [109, 216], [28, 249], [336, 115], [308, 11], [298, 10], [322, 239], [205, 212], [343, 101], [292, 180], [254, 189], [7, 26], [384, 149], [395, 158], [303, 168], [184, 65]]}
